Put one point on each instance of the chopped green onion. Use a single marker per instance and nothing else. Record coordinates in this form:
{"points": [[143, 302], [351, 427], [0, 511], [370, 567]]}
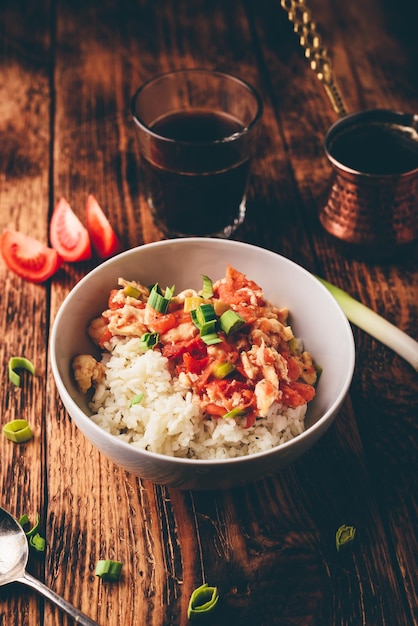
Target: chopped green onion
{"points": [[34, 538], [205, 313], [131, 291], [193, 315], [23, 520], [149, 340], [375, 325], [18, 431], [158, 301], [237, 412], [17, 363], [204, 318], [136, 399], [208, 328], [207, 290], [106, 569], [169, 292], [202, 601], [222, 370], [210, 339], [345, 534], [37, 542], [230, 321]]}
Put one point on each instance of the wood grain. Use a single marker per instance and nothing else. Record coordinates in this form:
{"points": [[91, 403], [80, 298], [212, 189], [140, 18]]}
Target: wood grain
{"points": [[68, 71]]}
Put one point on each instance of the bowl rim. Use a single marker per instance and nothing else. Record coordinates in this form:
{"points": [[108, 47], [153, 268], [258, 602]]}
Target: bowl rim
{"points": [[156, 456]]}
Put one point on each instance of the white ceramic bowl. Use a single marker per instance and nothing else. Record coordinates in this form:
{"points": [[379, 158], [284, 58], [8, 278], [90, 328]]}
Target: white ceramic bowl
{"points": [[314, 316]]}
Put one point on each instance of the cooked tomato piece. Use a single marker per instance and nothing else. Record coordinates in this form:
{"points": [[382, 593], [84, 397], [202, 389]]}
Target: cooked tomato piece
{"points": [[28, 257], [236, 288], [194, 365], [251, 419], [196, 347], [105, 337], [68, 235], [103, 237], [215, 410], [163, 322], [112, 303], [297, 394], [294, 369]]}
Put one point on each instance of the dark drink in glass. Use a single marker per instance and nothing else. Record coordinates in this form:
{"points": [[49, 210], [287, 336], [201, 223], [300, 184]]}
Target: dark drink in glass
{"points": [[196, 151]]}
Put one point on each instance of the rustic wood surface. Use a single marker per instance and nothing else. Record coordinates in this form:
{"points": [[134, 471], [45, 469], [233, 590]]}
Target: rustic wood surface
{"points": [[68, 69]]}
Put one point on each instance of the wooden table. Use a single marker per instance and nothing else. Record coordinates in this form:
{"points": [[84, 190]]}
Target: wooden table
{"points": [[67, 73]]}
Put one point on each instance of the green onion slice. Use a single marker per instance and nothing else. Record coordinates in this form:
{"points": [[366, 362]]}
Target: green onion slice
{"points": [[375, 325], [34, 538], [193, 315], [237, 412], [210, 339], [222, 370], [149, 340], [136, 399], [18, 431], [208, 328], [205, 319], [106, 569], [205, 313], [345, 534], [158, 301], [37, 542], [207, 289], [202, 601], [18, 363], [230, 321], [24, 521]]}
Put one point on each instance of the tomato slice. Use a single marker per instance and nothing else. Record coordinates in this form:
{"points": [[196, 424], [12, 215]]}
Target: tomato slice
{"points": [[68, 235], [103, 237], [295, 394], [28, 257]]}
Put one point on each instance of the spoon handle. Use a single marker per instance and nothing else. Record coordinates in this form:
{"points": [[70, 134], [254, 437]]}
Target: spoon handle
{"points": [[78, 616], [310, 39]]}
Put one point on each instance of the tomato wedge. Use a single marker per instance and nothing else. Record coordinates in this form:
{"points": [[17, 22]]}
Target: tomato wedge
{"points": [[68, 235], [103, 237], [27, 257]]}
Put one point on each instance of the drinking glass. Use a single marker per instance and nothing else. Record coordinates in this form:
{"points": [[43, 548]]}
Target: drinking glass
{"points": [[197, 132]]}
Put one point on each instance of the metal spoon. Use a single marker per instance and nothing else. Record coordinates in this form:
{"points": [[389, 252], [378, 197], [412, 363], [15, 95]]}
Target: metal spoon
{"points": [[311, 41], [14, 552]]}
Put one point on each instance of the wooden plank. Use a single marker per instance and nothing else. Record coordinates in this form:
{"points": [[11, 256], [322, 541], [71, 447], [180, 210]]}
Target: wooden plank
{"points": [[24, 205], [269, 546]]}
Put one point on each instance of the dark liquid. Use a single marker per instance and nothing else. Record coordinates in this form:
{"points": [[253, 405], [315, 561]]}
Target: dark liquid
{"points": [[196, 203], [376, 149]]}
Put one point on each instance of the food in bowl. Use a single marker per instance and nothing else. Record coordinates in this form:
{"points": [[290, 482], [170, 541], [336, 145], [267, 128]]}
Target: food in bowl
{"points": [[210, 374], [314, 315]]}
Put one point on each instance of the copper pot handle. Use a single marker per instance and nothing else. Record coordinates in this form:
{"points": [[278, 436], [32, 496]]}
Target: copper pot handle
{"points": [[316, 53]]}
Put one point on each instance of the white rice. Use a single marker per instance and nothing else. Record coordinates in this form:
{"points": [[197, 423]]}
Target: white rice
{"points": [[167, 421]]}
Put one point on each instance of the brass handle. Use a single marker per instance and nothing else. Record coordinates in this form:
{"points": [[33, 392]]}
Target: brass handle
{"points": [[316, 53]]}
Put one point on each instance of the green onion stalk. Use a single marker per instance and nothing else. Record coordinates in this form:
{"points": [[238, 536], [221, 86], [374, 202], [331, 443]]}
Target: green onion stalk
{"points": [[375, 325]]}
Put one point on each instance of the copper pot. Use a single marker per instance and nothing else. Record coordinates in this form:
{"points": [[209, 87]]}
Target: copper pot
{"points": [[372, 203]]}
